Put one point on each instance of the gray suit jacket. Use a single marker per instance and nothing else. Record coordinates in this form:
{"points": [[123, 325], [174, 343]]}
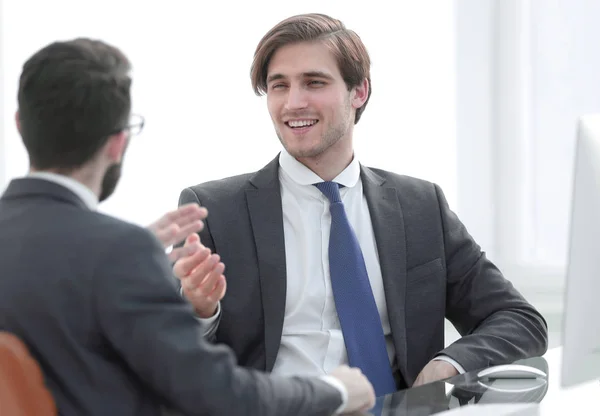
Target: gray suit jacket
{"points": [[92, 298], [431, 269]]}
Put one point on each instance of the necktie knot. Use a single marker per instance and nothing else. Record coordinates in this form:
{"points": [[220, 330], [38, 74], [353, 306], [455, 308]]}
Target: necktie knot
{"points": [[331, 190]]}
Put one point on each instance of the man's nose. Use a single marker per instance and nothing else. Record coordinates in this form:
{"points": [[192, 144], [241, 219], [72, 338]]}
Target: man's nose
{"points": [[297, 98]]}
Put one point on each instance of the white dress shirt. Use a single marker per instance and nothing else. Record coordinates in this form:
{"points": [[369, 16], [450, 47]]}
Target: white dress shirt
{"points": [[312, 341]]}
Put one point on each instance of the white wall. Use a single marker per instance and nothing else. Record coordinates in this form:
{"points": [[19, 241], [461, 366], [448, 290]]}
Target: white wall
{"points": [[565, 84], [493, 113], [526, 69], [191, 70], [553, 78], [475, 22]]}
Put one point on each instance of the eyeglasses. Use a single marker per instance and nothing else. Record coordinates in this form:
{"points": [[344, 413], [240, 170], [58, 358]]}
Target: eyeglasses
{"points": [[136, 124], [134, 127]]}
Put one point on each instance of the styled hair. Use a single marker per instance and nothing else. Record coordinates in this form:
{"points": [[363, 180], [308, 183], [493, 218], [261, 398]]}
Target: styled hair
{"points": [[350, 53], [73, 96]]}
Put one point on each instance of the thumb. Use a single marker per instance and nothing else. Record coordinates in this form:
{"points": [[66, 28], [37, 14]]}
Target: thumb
{"points": [[192, 239]]}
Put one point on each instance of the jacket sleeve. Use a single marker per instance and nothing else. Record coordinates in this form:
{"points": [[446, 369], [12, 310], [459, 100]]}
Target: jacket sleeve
{"points": [[497, 324], [153, 329]]}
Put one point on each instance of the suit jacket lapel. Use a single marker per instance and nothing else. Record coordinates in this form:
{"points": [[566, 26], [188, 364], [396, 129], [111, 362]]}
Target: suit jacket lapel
{"points": [[388, 227], [266, 217]]}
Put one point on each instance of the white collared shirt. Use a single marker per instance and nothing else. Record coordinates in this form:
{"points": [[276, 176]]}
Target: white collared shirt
{"points": [[89, 198], [312, 342]]}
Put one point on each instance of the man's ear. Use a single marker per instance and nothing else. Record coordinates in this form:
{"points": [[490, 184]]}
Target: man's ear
{"points": [[360, 94], [18, 121], [115, 147]]}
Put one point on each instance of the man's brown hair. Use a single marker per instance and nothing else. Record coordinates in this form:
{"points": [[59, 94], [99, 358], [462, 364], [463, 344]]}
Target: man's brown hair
{"points": [[351, 54]]}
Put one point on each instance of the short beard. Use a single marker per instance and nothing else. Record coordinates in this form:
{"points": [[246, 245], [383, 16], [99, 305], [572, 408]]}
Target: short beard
{"points": [[110, 181]]}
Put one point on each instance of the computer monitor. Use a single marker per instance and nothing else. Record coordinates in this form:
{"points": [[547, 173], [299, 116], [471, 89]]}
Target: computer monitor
{"points": [[581, 322]]}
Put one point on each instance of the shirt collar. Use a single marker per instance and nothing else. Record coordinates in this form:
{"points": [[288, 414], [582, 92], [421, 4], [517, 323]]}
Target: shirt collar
{"points": [[304, 176], [83, 192]]}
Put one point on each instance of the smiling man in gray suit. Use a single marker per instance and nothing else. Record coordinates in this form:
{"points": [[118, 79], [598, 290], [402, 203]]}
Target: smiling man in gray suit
{"points": [[329, 261], [92, 296]]}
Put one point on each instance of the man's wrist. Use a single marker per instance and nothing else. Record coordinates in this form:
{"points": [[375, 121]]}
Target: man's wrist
{"points": [[211, 319], [442, 357], [198, 314], [341, 388], [203, 315]]}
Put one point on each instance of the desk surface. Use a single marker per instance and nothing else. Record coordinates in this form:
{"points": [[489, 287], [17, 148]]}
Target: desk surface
{"points": [[467, 390]]}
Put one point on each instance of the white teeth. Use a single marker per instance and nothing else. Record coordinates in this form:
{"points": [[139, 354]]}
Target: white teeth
{"points": [[301, 123]]}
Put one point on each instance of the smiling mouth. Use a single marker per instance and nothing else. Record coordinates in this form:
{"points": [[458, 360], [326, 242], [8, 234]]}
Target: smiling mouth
{"points": [[301, 124]]}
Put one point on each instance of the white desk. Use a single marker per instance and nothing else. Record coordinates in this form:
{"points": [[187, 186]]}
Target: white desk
{"points": [[579, 400], [466, 395]]}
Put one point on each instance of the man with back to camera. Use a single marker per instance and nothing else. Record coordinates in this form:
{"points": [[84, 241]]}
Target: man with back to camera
{"points": [[332, 262], [90, 295]]}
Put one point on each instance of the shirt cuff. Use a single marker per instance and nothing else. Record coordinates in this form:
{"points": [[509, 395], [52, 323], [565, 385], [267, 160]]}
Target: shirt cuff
{"points": [[456, 365], [208, 322], [212, 319], [342, 389]]}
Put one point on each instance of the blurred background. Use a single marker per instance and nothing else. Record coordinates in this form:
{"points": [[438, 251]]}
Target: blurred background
{"points": [[479, 96]]}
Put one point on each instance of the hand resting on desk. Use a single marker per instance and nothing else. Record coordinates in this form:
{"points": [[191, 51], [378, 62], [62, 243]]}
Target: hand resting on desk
{"points": [[435, 370]]}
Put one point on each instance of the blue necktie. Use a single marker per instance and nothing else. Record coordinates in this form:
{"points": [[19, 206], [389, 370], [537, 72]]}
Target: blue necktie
{"points": [[354, 301]]}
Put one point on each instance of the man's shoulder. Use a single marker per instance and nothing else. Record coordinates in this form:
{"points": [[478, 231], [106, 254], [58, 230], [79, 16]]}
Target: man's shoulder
{"points": [[405, 183], [229, 184], [234, 186], [221, 190], [115, 230], [217, 192]]}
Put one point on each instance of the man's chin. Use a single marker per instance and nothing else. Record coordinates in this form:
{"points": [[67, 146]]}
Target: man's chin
{"points": [[301, 150], [303, 153], [105, 195]]}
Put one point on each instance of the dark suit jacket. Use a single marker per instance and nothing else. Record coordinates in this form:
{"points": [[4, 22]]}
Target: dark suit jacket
{"points": [[431, 269], [92, 298]]}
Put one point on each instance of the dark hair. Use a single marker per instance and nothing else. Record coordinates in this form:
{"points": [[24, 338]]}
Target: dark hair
{"points": [[72, 97], [351, 54]]}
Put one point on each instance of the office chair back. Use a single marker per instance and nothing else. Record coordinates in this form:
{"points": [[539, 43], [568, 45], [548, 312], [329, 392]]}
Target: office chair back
{"points": [[22, 389]]}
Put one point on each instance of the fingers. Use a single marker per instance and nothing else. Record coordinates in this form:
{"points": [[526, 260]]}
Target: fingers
{"points": [[183, 215], [372, 397], [361, 394], [174, 226], [178, 233], [185, 265], [206, 273], [184, 251], [212, 290], [192, 239], [190, 210], [419, 380], [221, 288], [191, 246], [369, 400], [164, 234]]}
